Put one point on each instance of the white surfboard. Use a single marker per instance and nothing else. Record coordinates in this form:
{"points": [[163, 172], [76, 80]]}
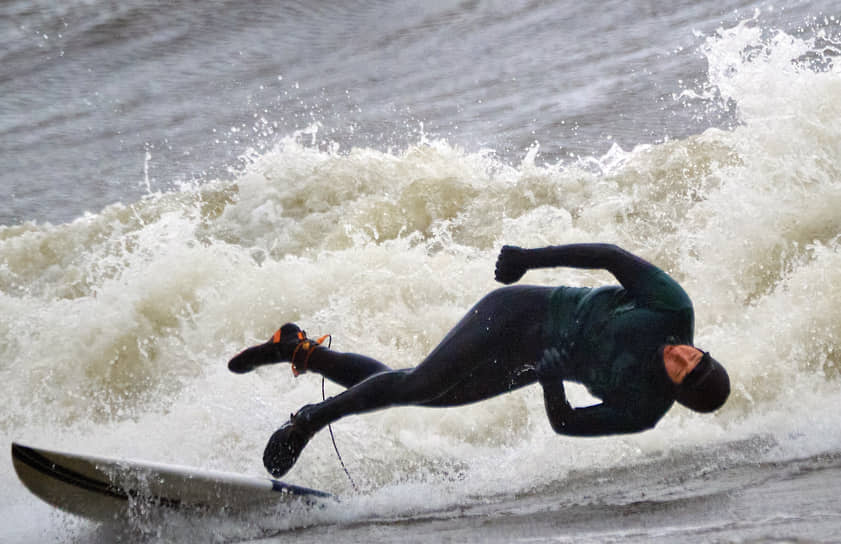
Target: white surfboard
{"points": [[106, 489]]}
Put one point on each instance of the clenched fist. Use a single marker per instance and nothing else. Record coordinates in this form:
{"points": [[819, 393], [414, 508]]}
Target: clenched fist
{"points": [[511, 264]]}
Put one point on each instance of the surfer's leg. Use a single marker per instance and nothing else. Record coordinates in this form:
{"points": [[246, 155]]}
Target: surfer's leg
{"points": [[345, 369], [493, 345], [487, 353], [290, 344]]}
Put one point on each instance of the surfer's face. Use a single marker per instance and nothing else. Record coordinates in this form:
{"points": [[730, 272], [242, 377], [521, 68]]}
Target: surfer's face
{"points": [[680, 360]]}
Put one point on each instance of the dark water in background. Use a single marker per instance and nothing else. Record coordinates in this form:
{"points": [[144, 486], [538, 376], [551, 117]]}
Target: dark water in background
{"points": [[90, 87], [354, 167]]}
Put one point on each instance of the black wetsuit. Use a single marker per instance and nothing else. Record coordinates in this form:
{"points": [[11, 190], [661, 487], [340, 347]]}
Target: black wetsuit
{"points": [[610, 339]]}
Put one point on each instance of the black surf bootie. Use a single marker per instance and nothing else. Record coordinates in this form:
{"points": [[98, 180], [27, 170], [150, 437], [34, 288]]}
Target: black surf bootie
{"points": [[283, 346], [287, 443]]}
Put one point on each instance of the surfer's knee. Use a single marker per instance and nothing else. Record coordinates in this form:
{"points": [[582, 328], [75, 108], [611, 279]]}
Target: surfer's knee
{"points": [[402, 386], [418, 385]]}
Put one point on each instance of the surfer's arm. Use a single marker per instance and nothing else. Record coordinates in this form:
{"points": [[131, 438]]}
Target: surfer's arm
{"points": [[640, 278], [599, 420]]}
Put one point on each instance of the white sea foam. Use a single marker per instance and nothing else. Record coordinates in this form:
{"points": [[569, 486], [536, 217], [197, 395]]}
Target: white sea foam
{"points": [[116, 327]]}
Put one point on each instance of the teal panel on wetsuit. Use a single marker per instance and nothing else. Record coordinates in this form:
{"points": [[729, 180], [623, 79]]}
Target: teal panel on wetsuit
{"points": [[611, 337]]}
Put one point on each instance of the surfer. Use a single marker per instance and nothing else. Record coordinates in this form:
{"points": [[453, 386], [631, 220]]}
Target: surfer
{"points": [[630, 345]]}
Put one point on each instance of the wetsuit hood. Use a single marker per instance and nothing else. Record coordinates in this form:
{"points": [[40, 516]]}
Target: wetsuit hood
{"points": [[706, 388]]}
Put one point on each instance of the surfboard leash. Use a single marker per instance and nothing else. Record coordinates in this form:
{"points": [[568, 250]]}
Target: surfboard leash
{"points": [[330, 427]]}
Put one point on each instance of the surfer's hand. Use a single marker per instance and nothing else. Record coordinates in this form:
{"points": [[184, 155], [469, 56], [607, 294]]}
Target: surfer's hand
{"points": [[552, 366], [511, 264]]}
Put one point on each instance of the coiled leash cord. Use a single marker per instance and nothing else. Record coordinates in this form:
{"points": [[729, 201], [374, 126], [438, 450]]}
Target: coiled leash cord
{"points": [[308, 346], [335, 447], [330, 426]]}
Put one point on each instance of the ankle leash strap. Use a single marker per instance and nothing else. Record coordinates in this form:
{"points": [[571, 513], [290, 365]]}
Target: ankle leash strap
{"points": [[308, 346]]}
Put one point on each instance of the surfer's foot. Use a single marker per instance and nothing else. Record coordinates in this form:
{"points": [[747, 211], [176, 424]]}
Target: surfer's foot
{"points": [[287, 443], [288, 344]]}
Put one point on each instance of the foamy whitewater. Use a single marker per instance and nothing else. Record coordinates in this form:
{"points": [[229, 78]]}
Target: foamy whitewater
{"points": [[115, 327]]}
